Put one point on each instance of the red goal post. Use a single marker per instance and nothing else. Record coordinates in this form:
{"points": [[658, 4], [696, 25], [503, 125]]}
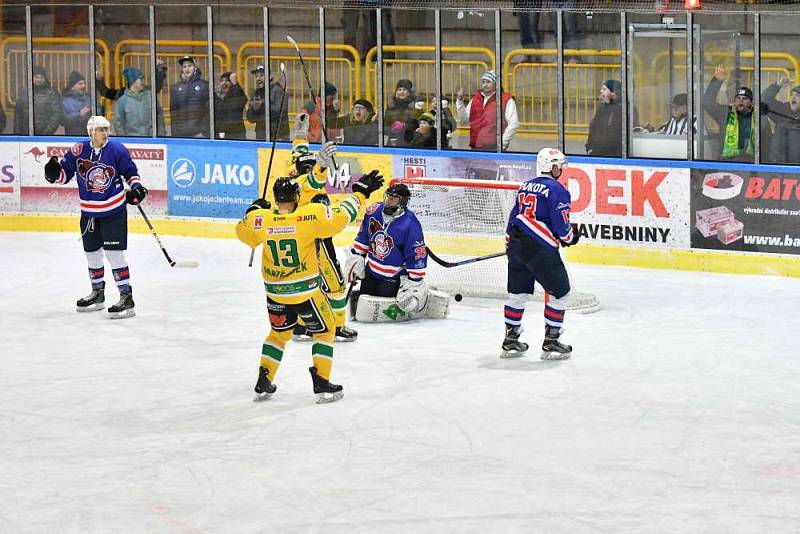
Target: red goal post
{"points": [[465, 219]]}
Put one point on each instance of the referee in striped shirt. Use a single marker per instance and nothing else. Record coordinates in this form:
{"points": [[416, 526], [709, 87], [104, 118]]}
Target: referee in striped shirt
{"points": [[677, 123]]}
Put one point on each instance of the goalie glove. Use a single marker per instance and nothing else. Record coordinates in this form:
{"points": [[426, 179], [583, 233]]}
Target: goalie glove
{"points": [[301, 126], [52, 171], [326, 154], [355, 267], [412, 295]]}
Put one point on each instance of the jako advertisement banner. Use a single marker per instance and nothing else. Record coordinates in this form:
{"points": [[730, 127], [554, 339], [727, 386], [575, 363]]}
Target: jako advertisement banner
{"points": [[746, 211], [612, 204], [208, 179]]}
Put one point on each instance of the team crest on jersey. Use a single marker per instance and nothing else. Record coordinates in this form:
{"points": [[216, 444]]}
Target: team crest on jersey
{"points": [[76, 149], [380, 243], [98, 175]]}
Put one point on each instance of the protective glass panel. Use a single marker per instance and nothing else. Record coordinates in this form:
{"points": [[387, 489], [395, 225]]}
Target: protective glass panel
{"points": [[124, 84], [241, 29], [14, 86], [182, 43], [61, 100], [408, 74], [723, 89]]}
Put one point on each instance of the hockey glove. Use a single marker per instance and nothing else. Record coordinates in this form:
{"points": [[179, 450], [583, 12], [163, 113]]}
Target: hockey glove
{"points": [[412, 295], [354, 267], [52, 170], [301, 126], [325, 155], [136, 195], [368, 184], [576, 236], [259, 204]]}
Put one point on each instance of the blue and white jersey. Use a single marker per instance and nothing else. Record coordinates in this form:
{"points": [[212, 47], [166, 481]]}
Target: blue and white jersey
{"points": [[100, 173], [393, 249], [542, 211]]}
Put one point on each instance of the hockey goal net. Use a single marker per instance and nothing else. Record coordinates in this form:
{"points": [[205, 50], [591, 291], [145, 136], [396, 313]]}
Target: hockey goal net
{"points": [[466, 219]]}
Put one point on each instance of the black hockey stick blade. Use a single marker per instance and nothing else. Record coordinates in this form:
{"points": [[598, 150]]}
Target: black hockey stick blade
{"points": [[449, 264]]}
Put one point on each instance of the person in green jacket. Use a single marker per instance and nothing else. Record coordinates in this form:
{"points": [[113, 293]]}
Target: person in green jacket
{"points": [[133, 114]]}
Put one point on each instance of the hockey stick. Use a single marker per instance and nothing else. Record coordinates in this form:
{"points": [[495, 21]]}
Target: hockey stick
{"points": [[172, 263], [448, 264], [323, 111], [272, 153]]}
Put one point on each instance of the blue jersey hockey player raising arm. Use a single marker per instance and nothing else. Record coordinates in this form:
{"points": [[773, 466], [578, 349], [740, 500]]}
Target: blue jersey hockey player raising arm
{"points": [[390, 258], [537, 226], [100, 167]]}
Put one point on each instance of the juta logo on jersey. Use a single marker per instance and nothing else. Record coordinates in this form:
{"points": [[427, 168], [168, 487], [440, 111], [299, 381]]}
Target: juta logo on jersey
{"points": [[380, 243], [98, 175]]}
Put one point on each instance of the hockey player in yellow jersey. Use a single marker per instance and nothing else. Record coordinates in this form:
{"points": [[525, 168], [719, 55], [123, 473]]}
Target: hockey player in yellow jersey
{"points": [[290, 268], [311, 173]]}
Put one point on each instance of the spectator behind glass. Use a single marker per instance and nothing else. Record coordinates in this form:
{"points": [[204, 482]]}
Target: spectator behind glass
{"points": [[115, 94], [481, 115], [189, 102], [420, 132], [398, 111], [46, 106], [133, 113], [786, 116], [256, 110], [360, 126], [229, 103], [605, 129], [331, 113], [736, 122], [528, 22], [75, 105]]}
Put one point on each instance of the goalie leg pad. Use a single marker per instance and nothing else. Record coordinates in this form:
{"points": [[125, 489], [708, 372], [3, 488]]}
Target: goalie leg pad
{"points": [[438, 305], [371, 309]]}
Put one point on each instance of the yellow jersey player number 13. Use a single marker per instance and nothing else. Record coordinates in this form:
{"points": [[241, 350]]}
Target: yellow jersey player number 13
{"points": [[290, 268]]}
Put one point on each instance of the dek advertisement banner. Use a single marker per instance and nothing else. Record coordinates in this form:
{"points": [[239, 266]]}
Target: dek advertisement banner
{"points": [[37, 195], [210, 179], [612, 204], [746, 211]]}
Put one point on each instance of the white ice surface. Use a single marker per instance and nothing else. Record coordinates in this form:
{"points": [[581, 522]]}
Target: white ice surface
{"points": [[679, 411]]}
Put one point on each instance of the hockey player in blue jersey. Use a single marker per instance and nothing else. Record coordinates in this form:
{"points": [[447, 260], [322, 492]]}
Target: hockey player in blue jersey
{"points": [[390, 258], [537, 226], [102, 167]]}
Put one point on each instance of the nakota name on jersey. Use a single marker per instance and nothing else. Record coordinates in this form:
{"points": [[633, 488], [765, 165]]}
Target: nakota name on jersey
{"points": [[541, 210]]}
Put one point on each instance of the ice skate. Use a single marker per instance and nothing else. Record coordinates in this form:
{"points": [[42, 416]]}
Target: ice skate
{"points": [[123, 308], [264, 388], [94, 301], [324, 390], [301, 333], [345, 334], [552, 349], [512, 346]]}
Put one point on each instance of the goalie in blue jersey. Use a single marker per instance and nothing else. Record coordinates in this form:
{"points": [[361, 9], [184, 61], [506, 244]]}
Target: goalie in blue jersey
{"points": [[390, 258], [537, 227]]}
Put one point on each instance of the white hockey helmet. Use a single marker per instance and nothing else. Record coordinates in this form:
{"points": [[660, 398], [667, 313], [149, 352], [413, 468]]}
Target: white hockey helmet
{"points": [[97, 121], [547, 157]]}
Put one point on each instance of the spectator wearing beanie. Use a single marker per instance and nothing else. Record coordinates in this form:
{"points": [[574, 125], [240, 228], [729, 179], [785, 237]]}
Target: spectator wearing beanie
{"points": [[481, 114], [133, 116], [46, 105], [75, 105], [399, 110], [360, 126], [605, 129]]}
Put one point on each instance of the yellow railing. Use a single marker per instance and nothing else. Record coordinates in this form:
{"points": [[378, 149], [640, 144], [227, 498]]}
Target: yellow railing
{"points": [[342, 69], [57, 55]]}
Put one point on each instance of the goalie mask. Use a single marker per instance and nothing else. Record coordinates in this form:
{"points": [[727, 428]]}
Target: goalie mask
{"points": [[395, 200], [286, 190], [547, 158]]}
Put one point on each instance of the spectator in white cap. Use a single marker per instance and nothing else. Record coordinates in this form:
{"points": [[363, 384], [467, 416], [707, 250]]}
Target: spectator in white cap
{"points": [[481, 114]]}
